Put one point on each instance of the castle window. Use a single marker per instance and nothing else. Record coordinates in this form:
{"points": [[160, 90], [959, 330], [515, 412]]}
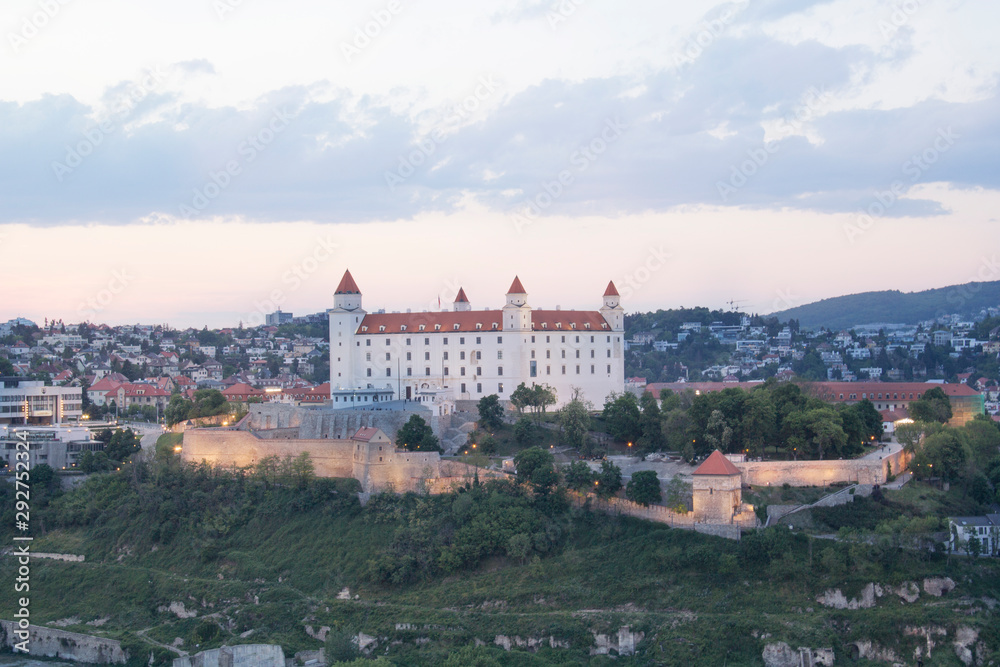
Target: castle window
{"points": [[402, 327], [369, 372], [609, 354], [388, 372], [409, 356], [587, 326], [545, 325], [479, 387], [446, 355], [455, 327], [368, 342], [592, 369], [422, 327], [364, 328], [564, 354], [479, 355], [388, 356], [499, 370], [564, 370], [461, 355], [548, 370], [609, 369], [578, 369], [532, 354], [427, 356], [381, 328], [409, 371], [495, 325], [573, 326], [604, 325], [461, 371], [479, 370], [562, 339], [609, 339], [499, 354], [437, 327], [368, 356], [591, 354], [446, 371], [407, 341], [427, 371], [499, 339], [479, 325], [479, 340], [427, 341], [559, 326], [445, 340], [500, 387], [532, 339], [461, 341], [548, 354]]}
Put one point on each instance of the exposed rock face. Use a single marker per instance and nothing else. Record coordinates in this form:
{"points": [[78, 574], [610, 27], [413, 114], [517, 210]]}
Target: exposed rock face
{"points": [[780, 654], [938, 586], [531, 643], [909, 591], [52, 643], [927, 632], [964, 639], [178, 608], [871, 651], [836, 599], [318, 634], [624, 643]]}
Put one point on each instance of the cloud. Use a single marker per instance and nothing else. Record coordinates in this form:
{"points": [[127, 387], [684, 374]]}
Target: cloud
{"points": [[319, 153]]}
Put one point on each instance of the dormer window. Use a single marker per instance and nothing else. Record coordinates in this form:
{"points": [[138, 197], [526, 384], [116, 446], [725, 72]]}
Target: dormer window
{"points": [[495, 325], [456, 327], [423, 326], [587, 325], [479, 325], [573, 325], [604, 325], [402, 327], [558, 325], [381, 327], [545, 325], [437, 327], [364, 328]]}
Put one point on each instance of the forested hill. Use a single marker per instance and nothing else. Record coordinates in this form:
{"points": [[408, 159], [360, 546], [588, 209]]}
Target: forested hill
{"points": [[894, 306]]}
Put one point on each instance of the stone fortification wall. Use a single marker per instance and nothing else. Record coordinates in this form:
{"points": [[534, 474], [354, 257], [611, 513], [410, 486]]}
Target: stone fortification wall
{"points": [[52, 643], [243, 655], [664, 515], [821, 473], [331, 458], [326, 424]]}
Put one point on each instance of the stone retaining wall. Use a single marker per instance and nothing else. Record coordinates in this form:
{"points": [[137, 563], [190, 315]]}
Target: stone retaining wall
{"points": [[52, 643], [822, 473]]}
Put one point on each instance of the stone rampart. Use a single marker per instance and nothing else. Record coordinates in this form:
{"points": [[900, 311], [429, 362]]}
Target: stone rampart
{"points": [[52, 643], [243, 655], [225, 447], [661, 514], [822, 473]]}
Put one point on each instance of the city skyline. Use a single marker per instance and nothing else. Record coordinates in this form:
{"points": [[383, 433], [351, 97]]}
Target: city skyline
{"points": [[772, 153]]}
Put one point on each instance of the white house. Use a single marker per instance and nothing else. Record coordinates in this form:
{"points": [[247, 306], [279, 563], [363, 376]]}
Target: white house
{"points": [[986, 529], [475, 353]]}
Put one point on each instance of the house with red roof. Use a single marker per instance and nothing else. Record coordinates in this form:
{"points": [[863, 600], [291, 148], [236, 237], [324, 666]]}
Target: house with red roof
{"points": [[244, 393]]}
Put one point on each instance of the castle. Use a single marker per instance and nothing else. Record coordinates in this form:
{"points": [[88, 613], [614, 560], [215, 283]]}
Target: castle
{"points": [[466, 354]]}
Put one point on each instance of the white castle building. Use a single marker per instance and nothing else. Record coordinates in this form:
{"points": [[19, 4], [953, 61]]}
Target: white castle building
{"points": [[467, 354]]}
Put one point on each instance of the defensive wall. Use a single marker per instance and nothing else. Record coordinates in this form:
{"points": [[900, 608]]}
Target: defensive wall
{"points": [[321, 423], [378, 465], [822, 473], [660, 514], [52, 643], [242, 655]]}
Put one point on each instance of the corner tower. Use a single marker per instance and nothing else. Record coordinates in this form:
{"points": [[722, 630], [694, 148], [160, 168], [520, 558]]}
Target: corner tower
{"points": [[612, 310], [517, 312], [462, 304], [345, 319]]}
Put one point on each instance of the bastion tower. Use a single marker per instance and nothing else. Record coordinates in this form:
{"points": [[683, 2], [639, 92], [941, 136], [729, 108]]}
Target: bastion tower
{"points": [[345, 318]]}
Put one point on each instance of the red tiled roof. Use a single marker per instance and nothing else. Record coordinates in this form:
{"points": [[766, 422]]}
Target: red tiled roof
{"points": [[833, 390], [106, 383], [717, 464], [142, 390], [241, 389], [611, 291], [541, 320], [461, 298], [347, 285], [895, 415], [365, 434], [516, 287]]}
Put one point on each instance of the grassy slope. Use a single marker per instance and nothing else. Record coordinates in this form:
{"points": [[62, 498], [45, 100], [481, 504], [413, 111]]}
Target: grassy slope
{"points": [[698, 599]]}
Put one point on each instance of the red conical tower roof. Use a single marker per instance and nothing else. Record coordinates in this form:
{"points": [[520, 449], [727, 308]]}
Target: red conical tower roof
{"points": [[611, 291], [717, 464], [516, 287], [347, 285], [461, 298]]}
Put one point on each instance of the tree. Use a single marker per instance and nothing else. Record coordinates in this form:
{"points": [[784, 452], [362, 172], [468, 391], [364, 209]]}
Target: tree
{"points": [[644, 488], [490, 412], [933, 406], [574, 419], [524, 432], [527, 461], [942, 455], [520, 398], [871, 420], [651, 438], [579, 476], [177, 410], [416, 434], [759, 425], [621, 417], [609, 480], [909, 435]]}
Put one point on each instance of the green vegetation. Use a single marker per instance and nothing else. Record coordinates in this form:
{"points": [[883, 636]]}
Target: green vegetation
{"points": [[269, 548], [416, 434], [206, 403], [644, 488]]}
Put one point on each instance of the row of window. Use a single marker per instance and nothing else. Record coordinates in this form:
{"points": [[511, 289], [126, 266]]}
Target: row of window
{"points": [[479, 355], [871, 396], [479, 340], [533, 370]]}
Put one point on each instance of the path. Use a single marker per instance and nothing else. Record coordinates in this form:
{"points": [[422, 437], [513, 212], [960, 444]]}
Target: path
{"points": [[141, 634]]}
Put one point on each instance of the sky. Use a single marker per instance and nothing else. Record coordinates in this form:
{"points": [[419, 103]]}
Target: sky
{"points": [[205, 162]]}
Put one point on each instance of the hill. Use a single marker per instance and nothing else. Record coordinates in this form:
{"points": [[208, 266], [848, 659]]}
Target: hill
{"points": [[894, 306]]}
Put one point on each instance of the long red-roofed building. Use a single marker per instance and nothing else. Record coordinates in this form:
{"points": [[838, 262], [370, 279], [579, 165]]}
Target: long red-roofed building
{"points": [[469, 353]]}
